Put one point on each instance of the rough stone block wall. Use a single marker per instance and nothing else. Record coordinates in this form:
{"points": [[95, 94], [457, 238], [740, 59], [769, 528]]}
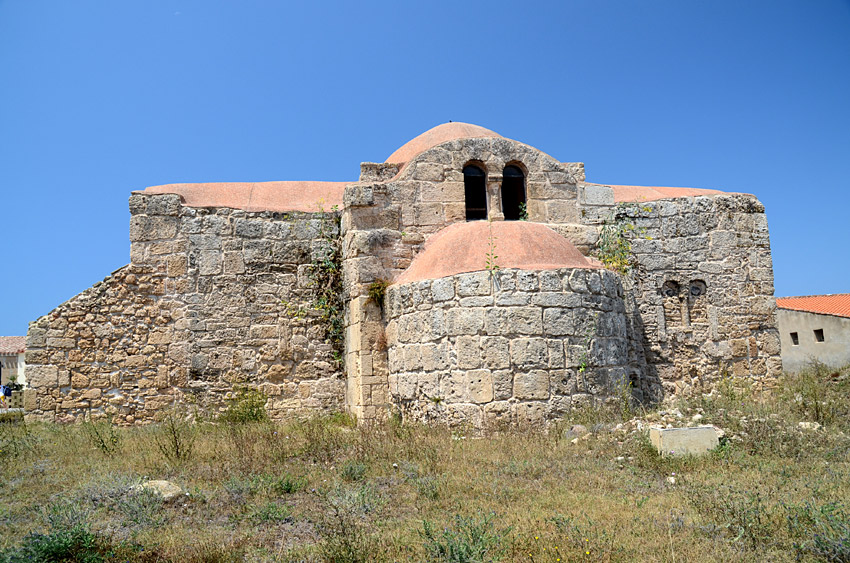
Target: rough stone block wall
{"points": [[213, 299], [518, 347], [389, 215], [701, 294]]}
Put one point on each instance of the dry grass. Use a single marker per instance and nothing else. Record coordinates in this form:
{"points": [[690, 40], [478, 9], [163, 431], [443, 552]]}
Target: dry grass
{"points": [[325, 490]]}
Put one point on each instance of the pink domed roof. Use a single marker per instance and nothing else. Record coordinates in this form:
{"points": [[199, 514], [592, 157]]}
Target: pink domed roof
{"points": [[439, 134], [463, 247]]}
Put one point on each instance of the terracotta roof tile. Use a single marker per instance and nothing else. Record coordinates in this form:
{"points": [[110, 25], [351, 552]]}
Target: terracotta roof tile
{"points": [[837, 304], [13, 345]]}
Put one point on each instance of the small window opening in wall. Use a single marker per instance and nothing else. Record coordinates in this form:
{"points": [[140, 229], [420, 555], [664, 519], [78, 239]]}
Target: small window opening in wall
{"points": [[795, 339], [818, 335], [670, 288], [513, 192], [697, 288], [475, 190]]}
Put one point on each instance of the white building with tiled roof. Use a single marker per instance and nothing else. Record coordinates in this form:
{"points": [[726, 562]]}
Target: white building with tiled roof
{"points": [[814, 328], [12, 365]]}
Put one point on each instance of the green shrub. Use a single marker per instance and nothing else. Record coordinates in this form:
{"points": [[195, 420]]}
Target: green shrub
{"points": [[248, 405], [271, 513], [821, 530], [470, 540], [353, 470], [287, 484], [69, 538]]}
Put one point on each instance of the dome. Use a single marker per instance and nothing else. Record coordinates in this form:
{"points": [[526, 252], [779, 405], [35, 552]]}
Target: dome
{"points": [[463, 247], [439, 134]]}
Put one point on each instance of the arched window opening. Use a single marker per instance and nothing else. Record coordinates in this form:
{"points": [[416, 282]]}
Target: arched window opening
{"points": [[475, 189], [513, 193]]}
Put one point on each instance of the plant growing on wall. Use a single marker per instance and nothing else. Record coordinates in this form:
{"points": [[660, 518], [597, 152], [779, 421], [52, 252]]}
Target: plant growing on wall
{"points": [[523, 211], [326, 278], [378, 291], [614, 248], [491, 257]]}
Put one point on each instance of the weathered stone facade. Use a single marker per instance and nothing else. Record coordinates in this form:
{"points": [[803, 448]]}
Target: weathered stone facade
{"points": [[213, 299], [512, 346], [702, 291], [218, 294]]}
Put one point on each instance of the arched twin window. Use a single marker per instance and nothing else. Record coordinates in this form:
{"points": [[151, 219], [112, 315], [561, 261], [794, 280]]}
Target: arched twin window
{"points": [[513, 192], [475, 189]]}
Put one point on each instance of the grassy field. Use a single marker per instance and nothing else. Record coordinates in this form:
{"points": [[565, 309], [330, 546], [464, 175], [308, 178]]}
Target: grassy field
{"points": [[326, 490]]}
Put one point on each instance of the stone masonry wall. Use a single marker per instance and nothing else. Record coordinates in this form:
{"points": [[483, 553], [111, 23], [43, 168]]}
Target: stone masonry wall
{"points": [[389, 215], [506, 349], [213, 299], [701, 294]]}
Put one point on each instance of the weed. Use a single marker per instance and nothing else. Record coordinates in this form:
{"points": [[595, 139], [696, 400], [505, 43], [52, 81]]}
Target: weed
{"points": [[378, 291], [471, 540], [103, 435], [322, 437], [326, 278], [174, 436], [820, 530], [586, 538], [428, 487], [490, 258], [271, 513], [614, 248], [16, 440], [353, 470], [812, 394], [523, 211], [69, 538], [247, 405], [287, 484], [746, 515], [344, 524], [142, 508]]}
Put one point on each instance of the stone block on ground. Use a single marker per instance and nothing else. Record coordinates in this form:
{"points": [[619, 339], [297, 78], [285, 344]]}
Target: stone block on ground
{"points": [[683, 441], [166, 490]]}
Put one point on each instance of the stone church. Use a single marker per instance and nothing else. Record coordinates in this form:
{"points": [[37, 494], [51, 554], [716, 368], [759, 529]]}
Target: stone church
{"points": [[469, 278]]}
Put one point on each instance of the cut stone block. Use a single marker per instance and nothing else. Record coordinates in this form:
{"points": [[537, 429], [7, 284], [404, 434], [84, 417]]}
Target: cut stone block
{"points": [[683, 441]]}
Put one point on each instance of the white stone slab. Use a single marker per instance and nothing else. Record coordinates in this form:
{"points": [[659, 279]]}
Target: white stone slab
{"points": [[683, 441]]}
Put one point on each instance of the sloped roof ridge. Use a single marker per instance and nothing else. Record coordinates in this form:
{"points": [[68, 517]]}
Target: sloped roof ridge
{"points": [[835, 304], [13, 344]]}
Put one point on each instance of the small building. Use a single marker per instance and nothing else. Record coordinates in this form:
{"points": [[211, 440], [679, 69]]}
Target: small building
{"points": [[814, 328], [12, 364]]}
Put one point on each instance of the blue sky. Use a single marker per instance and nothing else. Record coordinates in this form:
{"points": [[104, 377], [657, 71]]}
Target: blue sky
{"points": [[101, 98]]}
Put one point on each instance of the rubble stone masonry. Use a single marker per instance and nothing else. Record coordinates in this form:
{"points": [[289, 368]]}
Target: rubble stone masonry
{"points": [[212, 300], [217, 298]]}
